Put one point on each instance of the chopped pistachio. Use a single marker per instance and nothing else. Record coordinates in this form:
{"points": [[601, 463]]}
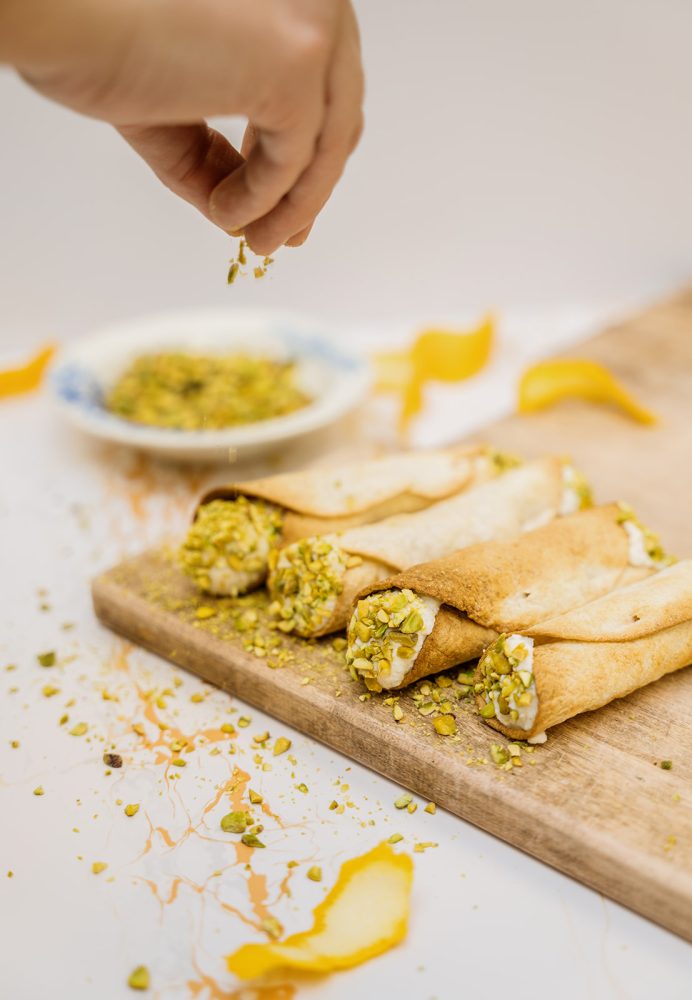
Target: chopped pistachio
{"points": [[445, 725], [395, 838], [305, 580], [132, 809], [411, 807], [79, 729], [178, 762], [314, 873], [281, 746], [228, 728], [14, 744], [251, 840], [139, 978], [244, 721], [302, 787], [234, 822], [339, 644], [39, 790], [431, 808], [397, 712], [667, 765], [204, 611], [423, 845], [255, 797], [499, 754], [46, 659], [403, 801], [98, 866]]}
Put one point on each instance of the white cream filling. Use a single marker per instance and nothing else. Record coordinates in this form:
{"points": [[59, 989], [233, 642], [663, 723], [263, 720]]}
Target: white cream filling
{"points": [[227, 582], [571, 501], [427, 607], [526, 713], [638, 555]]}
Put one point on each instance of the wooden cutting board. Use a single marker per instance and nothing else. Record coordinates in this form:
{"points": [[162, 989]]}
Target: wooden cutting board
{"points": [[593, 801]]}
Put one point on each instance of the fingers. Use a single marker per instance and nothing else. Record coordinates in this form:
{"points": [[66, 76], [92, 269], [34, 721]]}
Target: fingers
{"points": [[191, 160], [277, 156], [291, 219]]}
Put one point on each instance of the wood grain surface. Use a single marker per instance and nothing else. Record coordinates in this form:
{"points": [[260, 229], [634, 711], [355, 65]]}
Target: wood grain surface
{"points": [[593, 801]]}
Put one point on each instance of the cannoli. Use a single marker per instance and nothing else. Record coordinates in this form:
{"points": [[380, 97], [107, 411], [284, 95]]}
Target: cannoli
{"points": [[442, 613], [528, 681], [313, 582], [236, 526]]}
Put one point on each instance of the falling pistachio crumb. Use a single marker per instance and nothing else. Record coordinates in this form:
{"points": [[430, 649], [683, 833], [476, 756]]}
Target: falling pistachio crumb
{"points": [[139, 978], [132, 809]]}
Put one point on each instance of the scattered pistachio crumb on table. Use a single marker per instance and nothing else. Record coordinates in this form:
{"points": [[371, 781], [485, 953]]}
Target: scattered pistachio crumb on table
{"points": [[667, 765], [46, 659], [98, 866], [39, 790], [132, 809], [314, 873], [139, 978], [403, 801]]}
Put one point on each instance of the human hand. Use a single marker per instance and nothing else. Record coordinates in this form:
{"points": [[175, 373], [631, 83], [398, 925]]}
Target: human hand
{"points": [[157, 69]]}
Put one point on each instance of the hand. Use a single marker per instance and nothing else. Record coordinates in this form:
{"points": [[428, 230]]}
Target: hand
{"points": [[156, 69]]}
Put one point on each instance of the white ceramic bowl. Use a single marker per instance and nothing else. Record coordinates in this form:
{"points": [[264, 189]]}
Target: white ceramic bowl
{"points": [[335, 378]]}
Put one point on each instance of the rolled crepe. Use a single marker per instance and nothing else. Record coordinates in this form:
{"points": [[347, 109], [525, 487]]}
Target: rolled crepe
{"points": [[236, 526], [528, 682], [313, 582], [442, 613]]}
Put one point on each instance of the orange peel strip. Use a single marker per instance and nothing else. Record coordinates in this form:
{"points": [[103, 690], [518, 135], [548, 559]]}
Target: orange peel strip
{"points": [[435, 355], [549, 382], [15, 381], [364, 914]]}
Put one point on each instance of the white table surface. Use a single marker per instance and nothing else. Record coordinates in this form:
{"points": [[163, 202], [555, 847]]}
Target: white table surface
{"points": [[485, 918]]}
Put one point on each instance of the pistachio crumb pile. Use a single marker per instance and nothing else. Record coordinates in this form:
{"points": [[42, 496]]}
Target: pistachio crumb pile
{"points": [[385, 634], [306, 580], [645, 545], [508, 686], [193, 392], [227, 547]]}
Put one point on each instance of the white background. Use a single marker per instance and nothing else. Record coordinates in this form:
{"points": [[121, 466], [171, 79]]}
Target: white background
{"points": [[534, 157], [516, 154]]}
